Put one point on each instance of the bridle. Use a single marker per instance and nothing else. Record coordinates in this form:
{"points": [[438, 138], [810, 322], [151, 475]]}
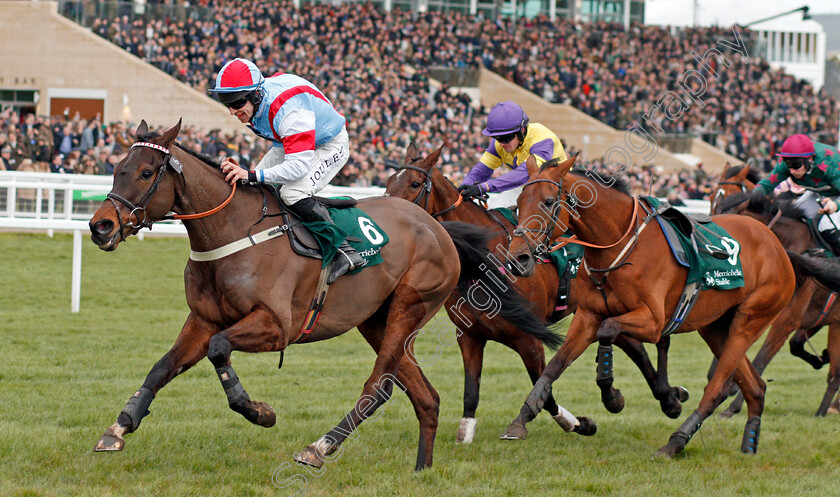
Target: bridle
{"points": [[426, 189], [140, 207]]}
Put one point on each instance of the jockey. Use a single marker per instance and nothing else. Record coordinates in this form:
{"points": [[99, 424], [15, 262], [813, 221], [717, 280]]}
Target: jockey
{"points": [[513, 141], [815, 167], [310, 142]]}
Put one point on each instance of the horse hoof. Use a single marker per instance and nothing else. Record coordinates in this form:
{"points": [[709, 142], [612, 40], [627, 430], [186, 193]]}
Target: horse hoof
{"points": [[671, 409], [515, 431], [310, 457], [833, 410], [727, 414], [265, 415], [668, 451], [466, 431], [615, 404], [680, 393], [586, 427], [110, 442]]}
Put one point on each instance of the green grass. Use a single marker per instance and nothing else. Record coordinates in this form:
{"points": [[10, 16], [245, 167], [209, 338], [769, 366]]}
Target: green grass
{"points": [[64, 378]]}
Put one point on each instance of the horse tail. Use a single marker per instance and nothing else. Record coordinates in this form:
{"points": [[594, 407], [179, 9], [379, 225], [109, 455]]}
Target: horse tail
{"points": [[478, 269], [825, 271]]}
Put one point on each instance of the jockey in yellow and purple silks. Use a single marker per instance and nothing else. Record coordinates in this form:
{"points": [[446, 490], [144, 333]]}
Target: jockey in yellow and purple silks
{"points": [[310, 142], [815, 167], [514, 139]]}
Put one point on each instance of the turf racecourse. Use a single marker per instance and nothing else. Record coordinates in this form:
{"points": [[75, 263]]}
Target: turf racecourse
{"points": [[64, 378]]}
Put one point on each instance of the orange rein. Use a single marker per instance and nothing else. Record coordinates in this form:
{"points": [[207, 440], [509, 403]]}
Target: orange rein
{"points": [[210, 212], [573, 239]]}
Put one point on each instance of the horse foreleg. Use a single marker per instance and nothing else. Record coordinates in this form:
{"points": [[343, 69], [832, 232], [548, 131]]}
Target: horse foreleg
{"points": [[472, 353], [580, 335], [189, 348], [259, 331]]}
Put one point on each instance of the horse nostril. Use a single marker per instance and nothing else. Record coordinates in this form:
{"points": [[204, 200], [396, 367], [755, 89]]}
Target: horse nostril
{"points": [[103, 227], [523, 259]]}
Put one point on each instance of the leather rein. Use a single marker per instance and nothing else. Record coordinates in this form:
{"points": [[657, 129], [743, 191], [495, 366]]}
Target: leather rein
{"points": [[140, 208]]}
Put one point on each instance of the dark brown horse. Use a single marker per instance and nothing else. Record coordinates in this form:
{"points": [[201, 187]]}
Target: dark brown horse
{"points": [[421, 182], [812, 306], [256, 299], [632, 284]]}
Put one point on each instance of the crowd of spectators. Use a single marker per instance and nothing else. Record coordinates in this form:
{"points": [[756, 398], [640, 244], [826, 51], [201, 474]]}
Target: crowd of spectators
{"points": [[373, 65]]}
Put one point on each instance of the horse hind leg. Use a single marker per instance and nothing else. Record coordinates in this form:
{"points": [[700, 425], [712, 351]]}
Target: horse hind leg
{"points": [[407, 312], [259, 331], [472, 353], [670, 398], [797, 348], [834, 369]]}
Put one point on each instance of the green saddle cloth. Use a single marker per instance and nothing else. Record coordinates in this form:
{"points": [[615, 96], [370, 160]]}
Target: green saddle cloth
{"points": [[569, 257], [364, 235], [718, 274]]}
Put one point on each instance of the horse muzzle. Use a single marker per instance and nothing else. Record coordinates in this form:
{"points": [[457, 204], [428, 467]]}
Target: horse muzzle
{"points": [[104, 234]]}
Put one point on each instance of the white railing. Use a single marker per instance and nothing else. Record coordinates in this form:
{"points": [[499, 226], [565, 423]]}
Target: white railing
{"points": [[73, 212]]}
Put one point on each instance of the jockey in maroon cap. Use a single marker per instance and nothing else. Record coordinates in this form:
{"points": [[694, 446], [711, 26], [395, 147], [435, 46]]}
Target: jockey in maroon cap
{"points": [[815, 167]]}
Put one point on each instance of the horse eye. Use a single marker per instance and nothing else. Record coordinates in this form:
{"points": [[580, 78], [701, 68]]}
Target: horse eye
{"points": [[415, 184], [146, 174], [548, 201]]}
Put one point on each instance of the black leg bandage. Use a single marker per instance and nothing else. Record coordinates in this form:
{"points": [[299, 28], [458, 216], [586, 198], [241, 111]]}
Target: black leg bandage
{"points": [[138, 406], [688, 428], [230, 382], [750, 443], [604, 370], [536, 399]]}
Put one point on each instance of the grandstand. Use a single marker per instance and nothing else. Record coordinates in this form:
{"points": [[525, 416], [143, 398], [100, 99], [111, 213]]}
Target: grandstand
{"points": [[577, 70]]}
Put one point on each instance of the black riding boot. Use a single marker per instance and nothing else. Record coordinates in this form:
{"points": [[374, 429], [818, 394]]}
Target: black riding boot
{"points": [[347, 258], [832, 237]]}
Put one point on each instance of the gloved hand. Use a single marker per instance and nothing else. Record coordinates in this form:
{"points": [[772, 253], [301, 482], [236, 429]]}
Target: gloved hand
{"points": [[468, 191]]}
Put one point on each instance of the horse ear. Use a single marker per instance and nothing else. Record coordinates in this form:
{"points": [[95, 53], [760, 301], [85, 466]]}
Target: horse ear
{"points": [[410, 153], [430, 161], [564, 167], [172, 133], [531, 164], [143, 129], [727, 166]]}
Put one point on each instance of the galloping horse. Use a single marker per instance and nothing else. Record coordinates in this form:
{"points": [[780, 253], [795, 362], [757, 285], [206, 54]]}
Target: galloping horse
{"points": [[812, 305], [419, 181], [257, 299], [631, 283]]}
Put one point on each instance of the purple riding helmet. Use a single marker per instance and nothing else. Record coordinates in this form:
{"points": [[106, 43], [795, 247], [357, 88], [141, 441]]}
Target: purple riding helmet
{"points": [[505, 118]]}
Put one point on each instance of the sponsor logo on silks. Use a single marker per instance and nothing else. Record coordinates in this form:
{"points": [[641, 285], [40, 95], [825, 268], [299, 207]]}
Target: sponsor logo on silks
{"points": [[574, 265], [720, 278], [732, 248], [369, 252]]}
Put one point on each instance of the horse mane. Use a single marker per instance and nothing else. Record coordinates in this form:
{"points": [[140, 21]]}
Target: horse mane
{"points": [[752, 174], [198, 155], [618, 182], [763, 204]]}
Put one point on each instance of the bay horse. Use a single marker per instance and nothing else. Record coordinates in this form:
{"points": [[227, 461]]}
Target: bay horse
{"points": [[257, 299], [419, 181], [630, 284], [812, 306]]}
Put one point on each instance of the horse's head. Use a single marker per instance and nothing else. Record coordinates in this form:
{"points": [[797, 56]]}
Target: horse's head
{"points": [[413, 180], [737, 179], [542, 216], [143, 192]]}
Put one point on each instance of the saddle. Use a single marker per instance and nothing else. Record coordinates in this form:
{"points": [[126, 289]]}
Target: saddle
{"points": [[688, 225], [301, 239]]}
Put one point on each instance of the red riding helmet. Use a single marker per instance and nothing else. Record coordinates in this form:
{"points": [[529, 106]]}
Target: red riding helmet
{"points": [[797, 146], [238, 79]]}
